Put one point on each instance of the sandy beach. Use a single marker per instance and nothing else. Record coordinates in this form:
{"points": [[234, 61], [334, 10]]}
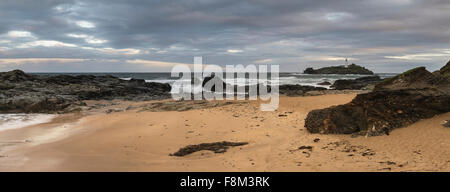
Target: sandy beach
{"points": [[140, 136]]}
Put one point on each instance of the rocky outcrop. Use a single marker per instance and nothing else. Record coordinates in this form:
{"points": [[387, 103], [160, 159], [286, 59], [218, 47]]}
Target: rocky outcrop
{"points": [[213, 78], [39, 103], [395, 102], [15, 76], [445, 70], [24, 93], [324, 83], [417, 78], [288, 90], [350, 69], [356, 84], [298, 90]]}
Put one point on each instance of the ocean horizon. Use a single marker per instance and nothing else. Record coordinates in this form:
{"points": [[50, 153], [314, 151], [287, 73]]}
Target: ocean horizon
{"points": [[285, 78]]}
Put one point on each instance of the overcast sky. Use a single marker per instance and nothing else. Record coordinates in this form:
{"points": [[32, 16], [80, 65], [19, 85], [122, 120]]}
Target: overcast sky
{"points": [[154, 35]]}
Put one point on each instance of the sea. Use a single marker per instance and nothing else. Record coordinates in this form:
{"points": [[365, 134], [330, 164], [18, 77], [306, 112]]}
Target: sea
{"points": [[13, 121], [284, 78]]}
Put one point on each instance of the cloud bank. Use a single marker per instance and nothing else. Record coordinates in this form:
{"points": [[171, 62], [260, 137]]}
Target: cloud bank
{"points": [[151, 36]]}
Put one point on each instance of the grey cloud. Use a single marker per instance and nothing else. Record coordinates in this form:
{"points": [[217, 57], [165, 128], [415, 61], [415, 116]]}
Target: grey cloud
{"points": [[175, 31]]}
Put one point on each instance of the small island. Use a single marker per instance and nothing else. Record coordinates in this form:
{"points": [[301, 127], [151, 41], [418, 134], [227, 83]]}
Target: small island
{"points": [[342, 69]]}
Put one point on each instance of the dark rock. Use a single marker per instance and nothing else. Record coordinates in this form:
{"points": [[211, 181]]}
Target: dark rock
{"points": [[217, 147], [39, 104], [355, 84], [113, 110], [309, 70], [446, 124], [237, 89], [15, 76], [446, 69], [289, 90], [304, 147], [377, 111], [397, 102], [324, 83], [368, 152], [416, 78], [216, 79], [136, 83], [351, 69], [6, 86], [24, 93], [298, 90], [386, 130], [340, 119]]}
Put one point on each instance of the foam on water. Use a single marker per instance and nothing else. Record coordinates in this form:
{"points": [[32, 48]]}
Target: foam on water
{"points": [[14, 121]]}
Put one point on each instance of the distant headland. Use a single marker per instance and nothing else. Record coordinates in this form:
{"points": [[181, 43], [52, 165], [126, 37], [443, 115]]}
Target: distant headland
{"points": [[342, 69]]}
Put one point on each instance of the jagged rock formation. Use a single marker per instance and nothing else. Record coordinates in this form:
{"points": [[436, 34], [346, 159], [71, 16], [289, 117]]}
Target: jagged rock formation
{"points": [[24, 93], [395, 102], [416, 78], [356, 84], [445, 70], [351, 69]]}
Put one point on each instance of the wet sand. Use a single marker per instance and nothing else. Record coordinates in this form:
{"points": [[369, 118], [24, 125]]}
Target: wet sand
{"points": [[141, 140]]}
